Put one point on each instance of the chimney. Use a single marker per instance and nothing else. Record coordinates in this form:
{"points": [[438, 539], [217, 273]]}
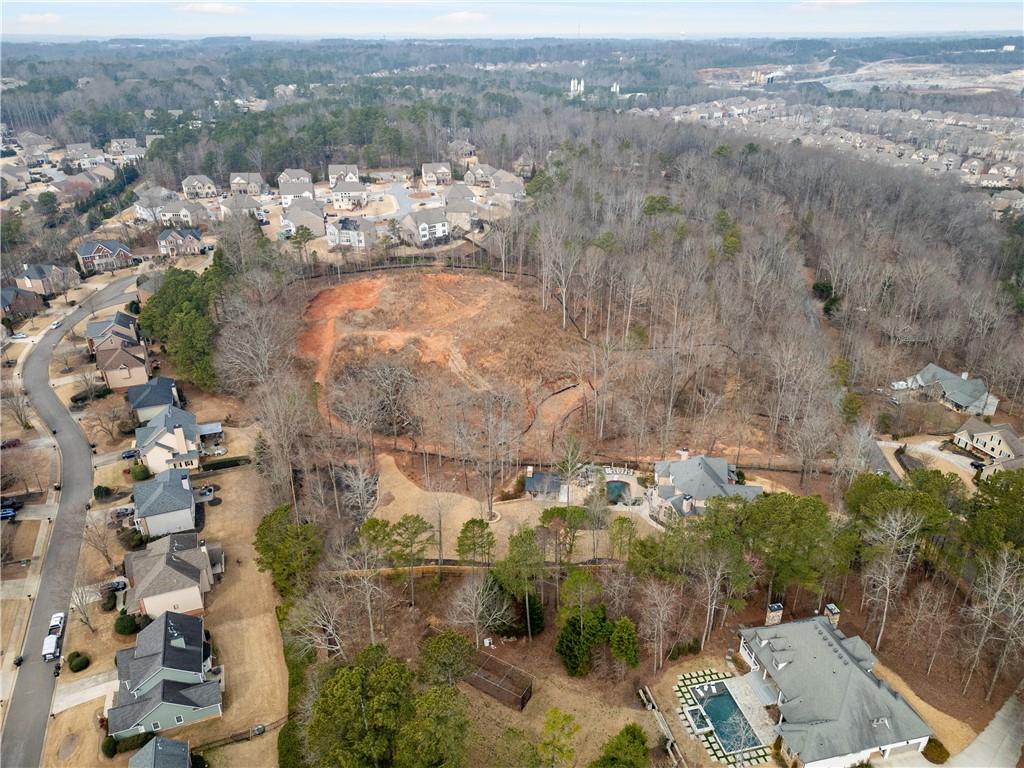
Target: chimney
{"points": [[774, 615], [684, 454], [832, 614], [529, 470], [964, 375], [687, 504]]}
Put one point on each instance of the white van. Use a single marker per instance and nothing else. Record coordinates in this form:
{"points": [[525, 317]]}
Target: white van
{"points": [[51, 647]]}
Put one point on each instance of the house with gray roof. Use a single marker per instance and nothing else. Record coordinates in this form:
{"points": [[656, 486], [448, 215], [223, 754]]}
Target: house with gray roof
{"points": [[958, 393], [103, 256], [684, 486], [162, 753], [833, 711], [151, 200], [165, 504], [197, 186], [167, 680], [243, 204], [342, 172], [433, 174], [351, 233], [47, 279], [121, 325], [149, 399], [171, 439], [16, 303], [247, 184], [293, 176], [346, 195], [303, 213], [183, 213], [172, 574], [179, 242], [292, 190], [425, 227]]}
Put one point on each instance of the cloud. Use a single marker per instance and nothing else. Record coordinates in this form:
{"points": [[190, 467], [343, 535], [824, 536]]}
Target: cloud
{"points": [[223, 9], [462, 17], [48, 19]]}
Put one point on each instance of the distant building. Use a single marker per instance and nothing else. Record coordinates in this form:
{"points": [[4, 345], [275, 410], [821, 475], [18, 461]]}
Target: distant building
{"points": [[958, 393], [684, 486]]}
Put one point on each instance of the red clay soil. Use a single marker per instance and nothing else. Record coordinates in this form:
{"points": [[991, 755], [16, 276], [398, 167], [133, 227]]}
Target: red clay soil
{"points": [[320, 337]]}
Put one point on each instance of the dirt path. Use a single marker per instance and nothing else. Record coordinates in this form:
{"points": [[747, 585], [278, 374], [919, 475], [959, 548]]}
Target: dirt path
{"points": [[956, 735]]}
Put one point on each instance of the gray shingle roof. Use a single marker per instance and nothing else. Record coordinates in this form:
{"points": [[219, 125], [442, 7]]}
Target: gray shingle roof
{"points": [[133, 712], [182, 233], [962, 392], [349, 186], [295, 188], [430, 216], [122, 323], [240, 203], [162, 753], [156, 391], [833, 705], [90, 247], [169, 491], [168, 564], [702, 477]]}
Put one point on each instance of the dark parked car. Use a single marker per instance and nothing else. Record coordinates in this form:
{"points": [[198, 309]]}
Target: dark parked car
{"points": [[114, 586], [8, 514], [131, 453], [11, 502], [977, 465], [12, 443]]}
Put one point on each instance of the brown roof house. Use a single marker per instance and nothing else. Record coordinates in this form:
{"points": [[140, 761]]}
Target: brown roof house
{"points": [[123, 367], [172, 574], [47, 279]]}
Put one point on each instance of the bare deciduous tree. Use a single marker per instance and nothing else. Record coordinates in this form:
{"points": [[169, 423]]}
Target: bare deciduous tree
{"points": [[481, 604], [82, 600], [18, 404], [659, 603], [97, 536], [321, 620], [891, 546]]}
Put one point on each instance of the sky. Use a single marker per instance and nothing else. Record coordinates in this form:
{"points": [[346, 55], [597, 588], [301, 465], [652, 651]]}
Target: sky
{"points": [[501, 18]]}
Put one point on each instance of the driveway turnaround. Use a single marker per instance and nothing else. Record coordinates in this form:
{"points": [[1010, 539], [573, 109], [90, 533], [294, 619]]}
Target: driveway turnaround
{"points": [[25, 726]]}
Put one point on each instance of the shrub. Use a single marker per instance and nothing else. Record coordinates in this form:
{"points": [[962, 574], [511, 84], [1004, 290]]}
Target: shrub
{"points": [[225, 463], [576, 647], [78, 663], [101, 492], [109, 602], [741, 477], [131, 538], [140, 472], [291, 752], [109, 747], [198, 761], [132, 743], [102, 392], [935, 751], [126, 625]]}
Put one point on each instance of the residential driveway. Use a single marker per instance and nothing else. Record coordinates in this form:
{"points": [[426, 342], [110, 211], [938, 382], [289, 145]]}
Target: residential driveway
{"points": [[77, 692], [930, 452], [27, 718], [403, 201]]}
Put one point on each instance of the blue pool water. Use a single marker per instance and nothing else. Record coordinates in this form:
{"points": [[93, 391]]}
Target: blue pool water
{"points": [[617, 490], [731, 727]]}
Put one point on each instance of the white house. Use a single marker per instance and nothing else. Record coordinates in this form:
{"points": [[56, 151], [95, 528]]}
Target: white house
{"points": [[247, 184], [183, 213], [171, 440], [290, 190], [347, 195], [198, 186], [833, 711], [351, 233], [293, 176], [426, 227], [303, 213], [342, 172], [433, 174]]}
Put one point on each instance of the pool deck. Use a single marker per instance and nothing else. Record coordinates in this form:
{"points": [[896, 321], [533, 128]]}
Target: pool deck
{"points": [[752, 708]]}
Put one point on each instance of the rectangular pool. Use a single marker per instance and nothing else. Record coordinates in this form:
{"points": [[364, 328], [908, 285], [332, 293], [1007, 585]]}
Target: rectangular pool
{"points": [[730, 726]]}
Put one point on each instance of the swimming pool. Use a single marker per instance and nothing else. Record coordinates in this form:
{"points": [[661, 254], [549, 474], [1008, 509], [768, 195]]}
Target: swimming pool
{"points": [[730, 726], [617, 491]]}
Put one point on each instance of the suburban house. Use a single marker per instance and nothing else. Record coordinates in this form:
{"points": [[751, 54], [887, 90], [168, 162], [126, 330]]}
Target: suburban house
{"points": [[462, 152], [506, 192], [147, 400], [198, 186], [389, 175], [436, 173], [123, 367], [243, 204], [165, 504], [480, 175], [303, 213], [179, 242], [148, 284], [463, 215], [247, 184], [342, 172], [458, 191], [687, 484], [162, 753], [347, 195], [426, 227], [833, 711], [105, 171], [171, 439], [83, 156], [124, 329], [998, 442], [125, 152], [183, 213], [172, 574], [151, 201], [16, 303], [351, 233], [290, 190], [167, 680], [294, 176], [13, 183], [103, 256], [47, 279], [958, 393], [76, 187]]}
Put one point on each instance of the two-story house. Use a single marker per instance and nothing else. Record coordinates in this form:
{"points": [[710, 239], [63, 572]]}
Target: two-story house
{"points": [[351, 233], [433, 174], [172, 574], [247, 184], [123, 367], [179, 242], [303, 213], [118, 330], [83, 156], [47, 279], [167, 680], [480, 175], [342, 172], [999, 443], [165, 504], [162, 753], [149, 399], [292, 190], [170, 440], [16, 303], [347, 195], [183, 213], [242, 205], [150, 201], [426, 227], [198, 186], [294, 176], [103, 256]]}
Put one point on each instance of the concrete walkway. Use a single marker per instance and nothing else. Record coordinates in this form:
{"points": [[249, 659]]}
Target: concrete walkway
{"points": [[80, 691]]}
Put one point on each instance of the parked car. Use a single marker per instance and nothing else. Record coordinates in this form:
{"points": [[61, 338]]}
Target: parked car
{"points": [[214, 452], [10, 363], [56, 324], [57, 623], [9, 502], [977, 465], [18, 336], [131, 453], [114, 586], [9, 513], [203, 494], [11, 443], [122, 512]]}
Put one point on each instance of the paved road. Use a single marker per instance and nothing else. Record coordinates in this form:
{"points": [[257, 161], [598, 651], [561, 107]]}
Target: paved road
{"points": [[25, 726]]}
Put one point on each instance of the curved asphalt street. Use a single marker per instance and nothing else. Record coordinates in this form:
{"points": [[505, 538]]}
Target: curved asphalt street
{"points": [[25, 726]]}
